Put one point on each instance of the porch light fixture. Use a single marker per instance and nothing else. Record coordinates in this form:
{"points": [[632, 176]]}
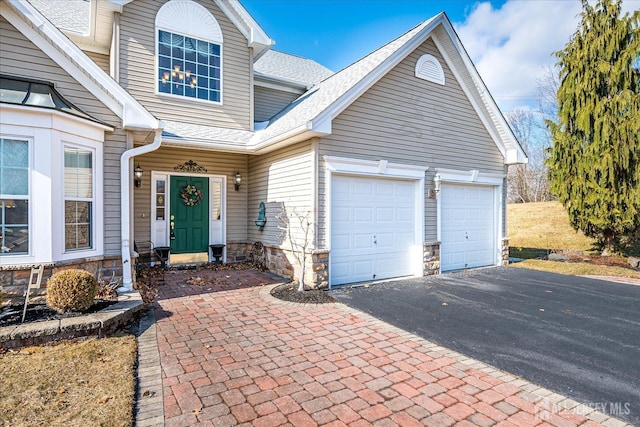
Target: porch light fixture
{"points": [[436, 183], [238, 181], [137, 172]]}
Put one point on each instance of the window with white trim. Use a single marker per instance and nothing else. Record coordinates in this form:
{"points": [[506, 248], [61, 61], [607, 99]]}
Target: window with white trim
{"points": [[78, 198], [14, 197], [189, 67]]}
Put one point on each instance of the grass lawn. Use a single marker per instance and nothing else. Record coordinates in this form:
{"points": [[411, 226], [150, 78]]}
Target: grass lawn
{"points": [[577, 268], [543, 227], [76, 383], [537, 229]]}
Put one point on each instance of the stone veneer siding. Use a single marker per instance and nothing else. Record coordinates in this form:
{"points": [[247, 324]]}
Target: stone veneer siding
{"points": [[505, 251], [431, 258], [14, 279], [279, 262]]}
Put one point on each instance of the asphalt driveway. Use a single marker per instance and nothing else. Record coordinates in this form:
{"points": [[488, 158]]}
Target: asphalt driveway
{"points": [[578, 337]]}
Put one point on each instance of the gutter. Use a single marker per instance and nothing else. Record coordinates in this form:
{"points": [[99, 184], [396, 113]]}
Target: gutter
{"points": [[125, 201]]}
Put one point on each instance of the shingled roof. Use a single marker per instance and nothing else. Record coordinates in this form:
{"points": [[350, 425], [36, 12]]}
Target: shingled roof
{"points": [[314, 103], [67, 15], [296, 69]]}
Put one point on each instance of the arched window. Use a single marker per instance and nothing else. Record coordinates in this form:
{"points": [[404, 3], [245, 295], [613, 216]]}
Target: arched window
{"points": [[429, 68], [189, 51]]}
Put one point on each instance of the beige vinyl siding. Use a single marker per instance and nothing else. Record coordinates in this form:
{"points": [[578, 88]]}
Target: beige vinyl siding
{"points": [[280, 179], [220, 164], [19, 57], [269, 102], [114, 145], [403, 119], [104, 24], [101, 60], [138, 70]]}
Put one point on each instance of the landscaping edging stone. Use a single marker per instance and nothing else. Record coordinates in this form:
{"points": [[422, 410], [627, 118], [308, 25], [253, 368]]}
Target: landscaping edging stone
{"points": [[104, 321]]}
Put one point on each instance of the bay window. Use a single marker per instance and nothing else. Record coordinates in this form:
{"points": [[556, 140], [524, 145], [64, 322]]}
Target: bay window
{"points": [[14, 197], [78, 198]]}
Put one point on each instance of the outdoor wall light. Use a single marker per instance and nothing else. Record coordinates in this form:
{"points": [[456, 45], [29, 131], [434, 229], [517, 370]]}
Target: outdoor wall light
{"points": [[262, 219], [238, 181], [137, 172]]}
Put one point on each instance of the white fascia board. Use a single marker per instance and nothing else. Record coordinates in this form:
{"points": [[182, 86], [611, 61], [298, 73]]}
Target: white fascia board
{"points": [[255, 35], [83, 69], [470, 177], [199, 144], [32, 116], [380, 71], [265, 80], [292, 136], [510, 142]]}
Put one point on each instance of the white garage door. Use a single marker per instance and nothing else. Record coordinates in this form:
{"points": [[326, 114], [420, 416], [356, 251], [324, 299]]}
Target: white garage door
{"points": [[372, 229], [467, 224]]}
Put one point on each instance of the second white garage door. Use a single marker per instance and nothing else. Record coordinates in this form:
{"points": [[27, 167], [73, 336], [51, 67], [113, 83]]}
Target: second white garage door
{"points": [[468, 226], [373, 234]]}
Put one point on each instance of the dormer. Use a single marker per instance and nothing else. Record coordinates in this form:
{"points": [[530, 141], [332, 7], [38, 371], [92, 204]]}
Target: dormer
{"points": [[190, 61], [280, 78]]}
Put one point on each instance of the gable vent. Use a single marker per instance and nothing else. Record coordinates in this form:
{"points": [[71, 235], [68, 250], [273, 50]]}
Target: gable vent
{"points": [[429, 68]]}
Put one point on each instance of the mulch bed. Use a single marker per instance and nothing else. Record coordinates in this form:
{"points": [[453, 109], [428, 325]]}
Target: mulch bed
{"points": [[12, 315], [289, 292]]}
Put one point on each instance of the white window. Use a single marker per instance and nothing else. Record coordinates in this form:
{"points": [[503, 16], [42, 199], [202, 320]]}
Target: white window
{"points": [[78, 199], [189, 52], [188, 67], [14, 197]]}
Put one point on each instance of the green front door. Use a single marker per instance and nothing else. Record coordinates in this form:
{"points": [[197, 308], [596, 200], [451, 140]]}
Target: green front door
{"points": [[190, 219]]}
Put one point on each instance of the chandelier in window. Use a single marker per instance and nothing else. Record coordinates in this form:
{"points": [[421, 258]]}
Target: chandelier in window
{"points": [[179, 77]]}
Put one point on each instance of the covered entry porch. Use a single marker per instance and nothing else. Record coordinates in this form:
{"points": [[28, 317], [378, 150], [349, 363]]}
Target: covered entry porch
{"points": [[187, 201]]}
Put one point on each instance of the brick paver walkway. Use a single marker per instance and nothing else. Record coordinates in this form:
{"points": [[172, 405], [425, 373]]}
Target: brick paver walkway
{"points": [[231, 355]]}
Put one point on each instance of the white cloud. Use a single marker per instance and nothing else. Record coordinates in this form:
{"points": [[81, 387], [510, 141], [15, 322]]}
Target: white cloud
{"points": [[513, 45]]}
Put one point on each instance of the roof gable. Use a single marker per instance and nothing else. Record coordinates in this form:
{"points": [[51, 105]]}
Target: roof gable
{"points": [[313, 112], [28, 20]]}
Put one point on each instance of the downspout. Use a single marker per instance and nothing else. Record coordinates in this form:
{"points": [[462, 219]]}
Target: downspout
{"points": [[125, 192]]}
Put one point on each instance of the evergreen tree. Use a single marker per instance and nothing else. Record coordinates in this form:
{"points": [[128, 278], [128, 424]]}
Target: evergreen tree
{"points": [[594, 162]]}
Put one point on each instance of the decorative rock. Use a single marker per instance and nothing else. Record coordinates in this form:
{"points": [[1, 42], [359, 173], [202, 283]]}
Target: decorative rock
{"points": [[634, 262], [556, 257]]}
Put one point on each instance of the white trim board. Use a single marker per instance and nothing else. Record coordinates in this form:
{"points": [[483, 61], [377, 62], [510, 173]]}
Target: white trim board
{"points": [[382, 168]]}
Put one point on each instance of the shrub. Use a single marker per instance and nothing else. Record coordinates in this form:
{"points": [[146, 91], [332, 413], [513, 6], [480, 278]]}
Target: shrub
{"points": [[71, 290]]}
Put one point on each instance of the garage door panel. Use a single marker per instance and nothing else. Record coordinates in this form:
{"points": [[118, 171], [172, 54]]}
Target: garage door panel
{"points": [[384, 189], [384, 214], [341, 241], [388, 267], [405, 190], [381, 226], [362, 241], [362, 188], [405, 214], [341, 215], [467, 225], [363, 214]]}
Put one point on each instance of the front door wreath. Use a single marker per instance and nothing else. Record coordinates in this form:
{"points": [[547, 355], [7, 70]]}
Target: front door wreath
{"points": [[191, 195]]}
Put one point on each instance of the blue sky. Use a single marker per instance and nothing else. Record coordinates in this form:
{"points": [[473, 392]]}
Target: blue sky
{"points": [[510, 41], [339, 32]]}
